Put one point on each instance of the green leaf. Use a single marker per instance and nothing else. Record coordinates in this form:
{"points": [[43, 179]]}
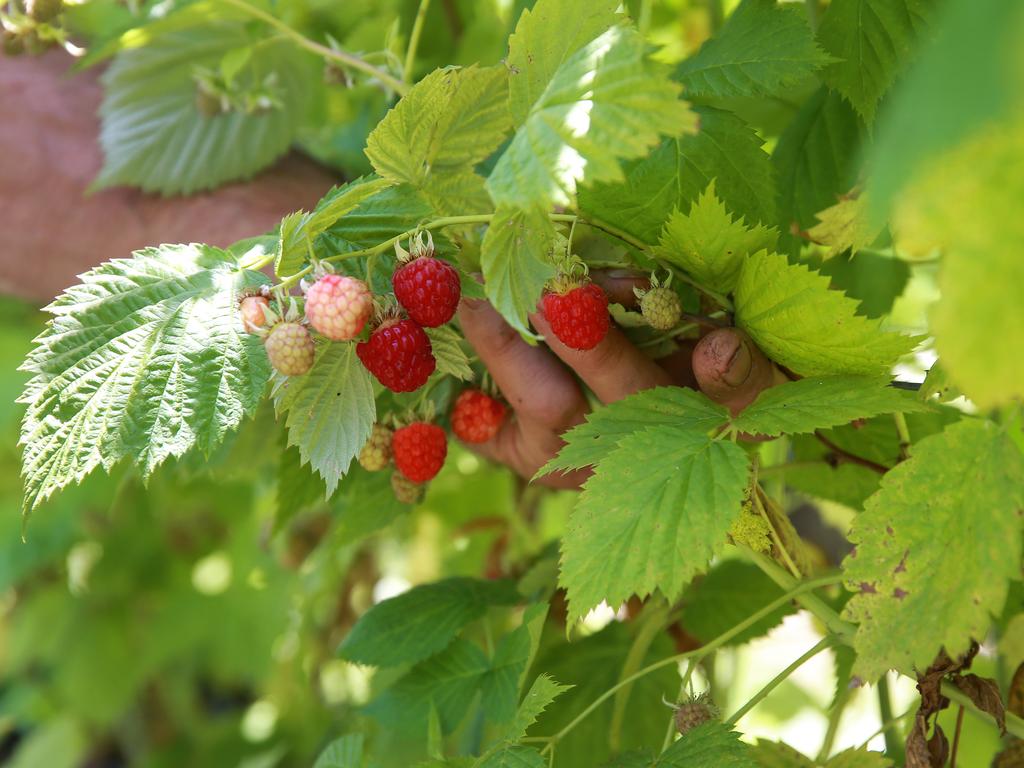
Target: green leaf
{"points": [[651, 516], [845, 226], [299, 230], [729, 593], [605, 103], [545, 36], [507, 675], [712, 745], [791, 313], [449, 681], [153, 135], [452, 119], [513, 756], [763, 50], [451, 358], [145, 358], [434, 137], [725, 150], [859, 758], [298, 488], [601, 433], [936, 549], [593, 664], [771, 754], [709, 244], [515, 261], [822, 402], [545, 689], [330, 410], [345, 752], [871, 41], [815, 160], [378, 218], [422, 621]]}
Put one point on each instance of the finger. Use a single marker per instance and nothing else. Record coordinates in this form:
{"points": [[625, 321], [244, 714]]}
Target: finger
{"points": [[536, 385], [679, 364], [620, 285], [614, 369], [525, 447], [731, 370]]}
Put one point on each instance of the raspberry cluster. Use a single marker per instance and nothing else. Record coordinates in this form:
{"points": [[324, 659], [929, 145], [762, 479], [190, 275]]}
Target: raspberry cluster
{"points": [[338, 307]]}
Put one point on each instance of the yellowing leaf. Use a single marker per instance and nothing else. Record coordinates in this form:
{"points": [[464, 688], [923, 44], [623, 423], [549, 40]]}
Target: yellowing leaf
{"points": [[800, 323], [936, 547], [845, 226], [709, 244]]}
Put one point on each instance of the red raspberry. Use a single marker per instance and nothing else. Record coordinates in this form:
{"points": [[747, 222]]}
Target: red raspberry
{"points": [[251, 309], [579, 316], [290, 348], [419, 450], [428, 289], [477, 417], [338, 306], [399, 355]]}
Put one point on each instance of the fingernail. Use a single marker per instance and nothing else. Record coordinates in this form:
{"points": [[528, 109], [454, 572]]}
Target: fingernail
{"points": [[738, 368]]}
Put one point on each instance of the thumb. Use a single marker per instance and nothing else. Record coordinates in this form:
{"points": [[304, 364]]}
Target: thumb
{"points": [[731, 370]]}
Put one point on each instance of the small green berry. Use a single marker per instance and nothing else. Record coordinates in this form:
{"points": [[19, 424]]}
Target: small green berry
{"points": [[376, 454], [661, 308]]}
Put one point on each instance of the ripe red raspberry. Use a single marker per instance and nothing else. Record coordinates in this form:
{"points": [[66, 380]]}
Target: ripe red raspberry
{"points": [[477, 417], [419, 450], [399, 355], [579, 316], [338, 306], [428, 289], [376, 454], [290, 348], [252, 311]]}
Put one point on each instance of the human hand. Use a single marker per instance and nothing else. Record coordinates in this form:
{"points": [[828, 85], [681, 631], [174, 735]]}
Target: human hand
{"points": [[547, 399]]}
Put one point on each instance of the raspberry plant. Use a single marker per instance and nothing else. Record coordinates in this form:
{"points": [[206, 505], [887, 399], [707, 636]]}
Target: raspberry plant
{"points": [[803, 175]]}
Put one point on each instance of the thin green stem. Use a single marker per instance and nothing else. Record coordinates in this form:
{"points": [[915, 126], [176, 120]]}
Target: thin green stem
{"points": [[322, 50], [653, 622], [722, 639], [776, 538], [886, 725], [717, 13], [414, 41], [893, 748], [835, 715], [813, 13], [257, 264], [818, 607], [774, 683], [904, 434], [643, 22]]}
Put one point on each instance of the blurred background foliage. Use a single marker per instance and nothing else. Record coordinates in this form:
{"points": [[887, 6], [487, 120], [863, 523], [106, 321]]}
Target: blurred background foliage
{"points": [[195, 622]]}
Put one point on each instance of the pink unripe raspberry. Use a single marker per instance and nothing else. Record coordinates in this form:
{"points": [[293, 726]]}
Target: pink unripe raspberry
{"points": [[252, 311], [338, 306], [290, 348]]}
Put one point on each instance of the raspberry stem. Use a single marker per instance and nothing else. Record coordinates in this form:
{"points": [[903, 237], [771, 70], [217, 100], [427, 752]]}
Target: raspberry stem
{"points": [[322, 50]]}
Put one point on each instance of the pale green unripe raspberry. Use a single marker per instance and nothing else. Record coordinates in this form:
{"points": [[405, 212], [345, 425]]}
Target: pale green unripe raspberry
{"points": [[338, 306], [290, 348], [406, 491], [376, 454], [661, 308]]}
